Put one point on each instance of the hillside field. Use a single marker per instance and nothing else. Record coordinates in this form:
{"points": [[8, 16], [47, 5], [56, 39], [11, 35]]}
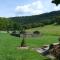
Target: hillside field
{"points": [[9, 44], [48, 30]]}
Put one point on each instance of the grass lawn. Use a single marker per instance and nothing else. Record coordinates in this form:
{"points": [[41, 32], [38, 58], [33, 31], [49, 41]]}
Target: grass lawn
{"points": [[8, 44], [9, 51]]}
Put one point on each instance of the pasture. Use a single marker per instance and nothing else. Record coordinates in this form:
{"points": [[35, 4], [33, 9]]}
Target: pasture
{"points": [[9, 44]]}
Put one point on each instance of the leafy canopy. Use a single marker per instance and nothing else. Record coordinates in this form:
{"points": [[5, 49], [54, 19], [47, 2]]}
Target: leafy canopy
{"points": [[57, 2]]}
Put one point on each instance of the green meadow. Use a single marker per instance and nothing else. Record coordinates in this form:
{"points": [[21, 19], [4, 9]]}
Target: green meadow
{"points": [[9, 44]]}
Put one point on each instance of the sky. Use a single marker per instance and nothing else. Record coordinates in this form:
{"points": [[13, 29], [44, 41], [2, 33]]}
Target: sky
{"points": [[11, 8]]}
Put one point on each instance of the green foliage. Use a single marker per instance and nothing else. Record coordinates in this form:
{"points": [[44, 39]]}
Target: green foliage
{"points": [[56, 2], [23, 44], [27, 22], [36, 32], [37, 20], [57, 19]]}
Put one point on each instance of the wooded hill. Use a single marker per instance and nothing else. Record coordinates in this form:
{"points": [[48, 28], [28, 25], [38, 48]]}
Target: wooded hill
{"points": [[42, 18], [30, 21]]}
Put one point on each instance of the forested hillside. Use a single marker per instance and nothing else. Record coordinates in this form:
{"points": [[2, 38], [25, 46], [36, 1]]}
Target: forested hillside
{"points": [[43, 18], [30, 21]]}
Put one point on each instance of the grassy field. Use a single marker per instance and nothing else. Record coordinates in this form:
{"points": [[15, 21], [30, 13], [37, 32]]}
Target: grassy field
{"points": [[9, 44], [47, 30]]}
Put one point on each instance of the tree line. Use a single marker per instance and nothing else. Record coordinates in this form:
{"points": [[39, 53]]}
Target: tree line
{"points": [[26, 22]]}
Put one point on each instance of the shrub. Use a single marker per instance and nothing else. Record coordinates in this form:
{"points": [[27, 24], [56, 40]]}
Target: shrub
{"points": [[36, 32], [14, 33]]}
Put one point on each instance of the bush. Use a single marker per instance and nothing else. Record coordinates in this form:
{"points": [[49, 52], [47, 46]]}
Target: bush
{"points": [[14, 33], [36, 32]]}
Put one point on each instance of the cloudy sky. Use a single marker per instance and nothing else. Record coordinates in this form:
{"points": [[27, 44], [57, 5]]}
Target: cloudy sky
{"points": [[10, 8]]}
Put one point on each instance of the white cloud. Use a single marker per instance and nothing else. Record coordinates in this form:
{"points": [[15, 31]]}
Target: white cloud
{"points": [[57, 7], [36, 12], [34, 8]]}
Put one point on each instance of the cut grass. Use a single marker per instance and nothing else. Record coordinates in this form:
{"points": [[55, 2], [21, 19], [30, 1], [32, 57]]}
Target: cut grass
{"points": [[44, 40], [9, 51], [9, 44]]}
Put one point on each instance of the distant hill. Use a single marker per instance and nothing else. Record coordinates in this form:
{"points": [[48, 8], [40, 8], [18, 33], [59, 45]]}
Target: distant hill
{"points": [[42, 18], [30, 21]]}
